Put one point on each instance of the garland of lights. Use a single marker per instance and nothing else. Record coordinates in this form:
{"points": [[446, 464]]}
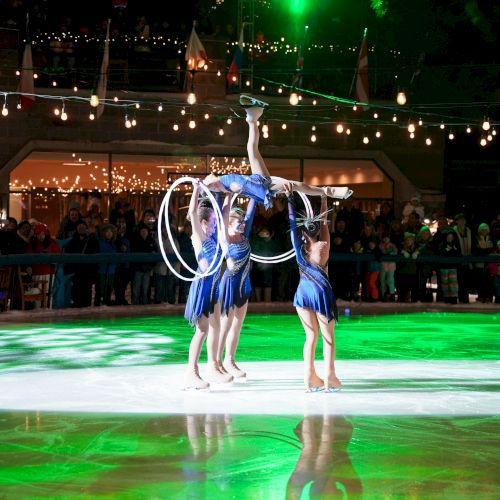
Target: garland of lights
{"points": [[281, 113]]}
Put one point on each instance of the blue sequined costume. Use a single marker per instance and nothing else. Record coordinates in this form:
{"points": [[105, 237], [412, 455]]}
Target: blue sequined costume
{"points": [[235, 286], [314, 290], [255, 186], [204, 292]]}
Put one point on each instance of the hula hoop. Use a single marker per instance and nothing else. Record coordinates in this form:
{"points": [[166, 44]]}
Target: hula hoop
{"points": [[212, 268], [276, 259]]}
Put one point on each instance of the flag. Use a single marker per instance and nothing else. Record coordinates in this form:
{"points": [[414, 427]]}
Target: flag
{"points": [[297, 79], [233, 73], [102, 83], [195, 52], [361, 92], [26, 84]]}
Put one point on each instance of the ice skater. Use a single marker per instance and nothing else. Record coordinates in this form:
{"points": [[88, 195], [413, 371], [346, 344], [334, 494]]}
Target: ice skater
{"points": [[235, 286], [202, 306], [260, 185], [314, 299]]}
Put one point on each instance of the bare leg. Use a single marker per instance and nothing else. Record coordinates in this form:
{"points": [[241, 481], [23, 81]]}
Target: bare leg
{"points": [[214, 375], [310, 324], [332, 383], [232, 342], [333, 192], [193, 379], [256, 161]]}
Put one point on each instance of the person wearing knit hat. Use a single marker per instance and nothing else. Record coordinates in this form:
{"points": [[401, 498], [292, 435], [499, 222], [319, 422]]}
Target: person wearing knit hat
{"points": [[481, 247], [41, 242]]}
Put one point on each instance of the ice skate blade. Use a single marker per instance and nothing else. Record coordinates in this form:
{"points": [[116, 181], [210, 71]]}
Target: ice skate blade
{"points": [[249, 102], [196, 389], [330, 390], [318, 388]]}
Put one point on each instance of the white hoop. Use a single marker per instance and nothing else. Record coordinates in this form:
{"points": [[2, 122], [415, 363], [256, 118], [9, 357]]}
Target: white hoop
{"points": [[276, 259], [212, 268]]}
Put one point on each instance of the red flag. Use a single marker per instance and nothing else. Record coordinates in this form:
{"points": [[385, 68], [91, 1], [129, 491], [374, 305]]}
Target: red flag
{"points": [[195, 53], [102, 84], [233, 73], [361, 93], [26, 85]]}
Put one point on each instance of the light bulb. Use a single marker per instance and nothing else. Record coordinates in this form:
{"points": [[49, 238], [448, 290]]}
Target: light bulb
{"points": [[494, 132], [428, 141], [468, 129], [18, 73], [355, 108], [313, 138], [348, 131], [486, 124], [5, 111], [183, 111], [294, 99], [489, 137], [54, 83], [94, 100], [137, 105], [394, 118], [366, 140], [115, 99], [57, 111], [128, 123], [221, 131], [283, 126], [262, 88], [483, 142], [420, 122], [75, 89], [91, 116], [64, 116], [313, 128], [411, 128], [451, 136], [265, 129], [315, 102], [441, 126], [192, 124], [160, 107], [133, 122], [175, 127], [401, 98], [265, 135], [375, 115], [247, 83], [412, 136], [378, 134], [340, 128], [206, 116], [218, 73], [191, 99]]}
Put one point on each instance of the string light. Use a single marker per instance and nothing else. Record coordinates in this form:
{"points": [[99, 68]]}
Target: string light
{"points": [[115, 99], [441, 126], [265, 129], [64, 115], [221, 131], [375, 115], [486, 124], [468, 129], [229, 121], [280, 90], [133, 122], [340, 128], [354, 107], [175, 127], [378, 134], [192, 124], [160, 108], [428, 141], [294, 99], [451, 136], [411, 128], [483, 142], [206, 116], [91, 116], [394, 118], [313, 138], [283, 126], [183, 111], [366, 140], [137, 105], [489, 137], [401, 98], [412, 135], [5, 110], [57, 111], [314, 102], [191, 99], [128, 123], [94, 100], [420, 122], [348, 131]]}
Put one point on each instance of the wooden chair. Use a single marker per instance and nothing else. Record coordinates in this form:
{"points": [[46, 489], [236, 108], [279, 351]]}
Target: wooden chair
{"points": [[32, 290], [5, 286]]}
